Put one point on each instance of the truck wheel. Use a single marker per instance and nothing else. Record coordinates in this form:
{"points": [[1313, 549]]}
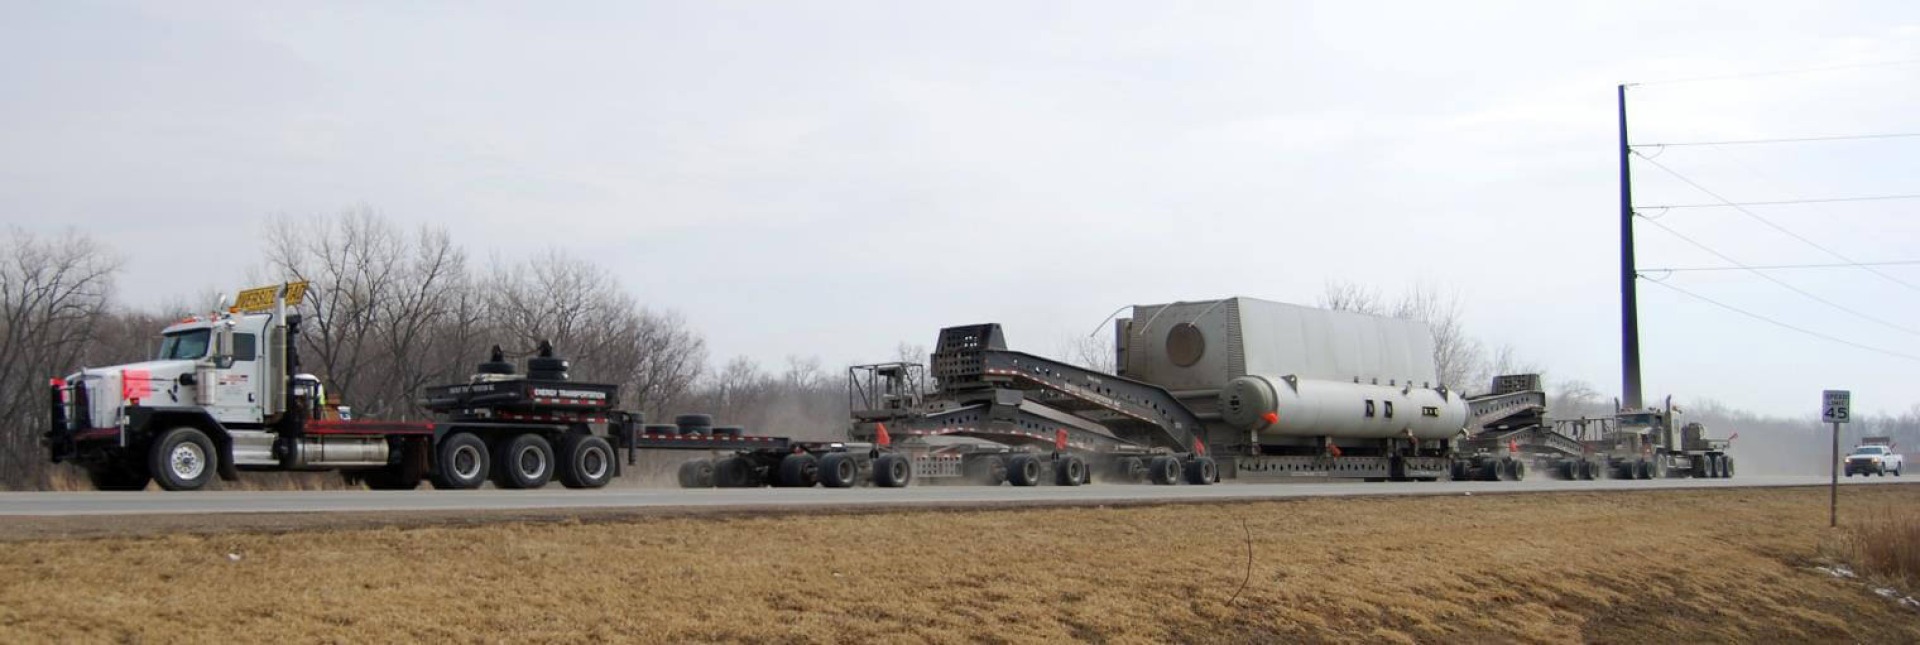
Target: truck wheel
{"points": [[799, 470], [1164, 470], [463, 463], [697, 474], [1657, 469], [1699, 469], [1202, 471], [892, 471], [1069, 470], [1458, 469], [1130, 470], [990, 470], [526, 461], [1497, 470], [119, 475], [1726, 468], [588, 461], [839, 470], [1589, 471], [733, 472], [183, 459], [1023, 470]]}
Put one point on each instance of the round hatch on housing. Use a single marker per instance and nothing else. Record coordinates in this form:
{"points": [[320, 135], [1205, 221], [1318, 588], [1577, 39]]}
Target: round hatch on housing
{"points": [[1185, 345]]}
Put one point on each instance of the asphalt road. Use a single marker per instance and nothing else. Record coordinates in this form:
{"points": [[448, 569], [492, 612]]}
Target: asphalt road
{"points": [[19, 505]]}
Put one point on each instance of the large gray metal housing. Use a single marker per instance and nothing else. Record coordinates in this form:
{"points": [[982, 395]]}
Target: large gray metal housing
{"points": [[1189, 346]]}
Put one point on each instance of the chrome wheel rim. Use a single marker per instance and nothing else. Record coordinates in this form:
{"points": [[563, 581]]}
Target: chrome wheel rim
{"points": [[187, 461], [466, 462], [532, 463]]}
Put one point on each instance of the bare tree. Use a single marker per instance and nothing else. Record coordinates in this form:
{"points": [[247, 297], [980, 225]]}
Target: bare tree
{"points": [[53, 293], [352, 263], [1091, 352]]}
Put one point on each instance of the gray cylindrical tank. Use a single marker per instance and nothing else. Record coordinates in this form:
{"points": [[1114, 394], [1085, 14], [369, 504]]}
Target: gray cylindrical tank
{"points": [[1314, 408]]}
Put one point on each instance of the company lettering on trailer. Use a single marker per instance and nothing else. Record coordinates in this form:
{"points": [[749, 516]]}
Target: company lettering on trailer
{"points": [[552, 393], [556, 396]]}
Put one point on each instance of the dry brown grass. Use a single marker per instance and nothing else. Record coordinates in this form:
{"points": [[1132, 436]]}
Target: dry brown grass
{"points": [[1692, 566], [1884, 545]]}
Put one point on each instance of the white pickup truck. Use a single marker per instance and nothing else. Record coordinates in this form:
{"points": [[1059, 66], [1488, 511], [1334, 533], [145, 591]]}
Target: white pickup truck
{"points": [[1874, 459]]}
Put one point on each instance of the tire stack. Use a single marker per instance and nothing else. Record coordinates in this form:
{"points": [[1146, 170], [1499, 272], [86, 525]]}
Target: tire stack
{"points": [[496, 364], [694, 425], [546, 366]]}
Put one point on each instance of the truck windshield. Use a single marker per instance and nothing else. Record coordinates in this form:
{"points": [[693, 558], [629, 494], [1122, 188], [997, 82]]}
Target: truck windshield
{"points": [[1870, 450], [185, 345]]}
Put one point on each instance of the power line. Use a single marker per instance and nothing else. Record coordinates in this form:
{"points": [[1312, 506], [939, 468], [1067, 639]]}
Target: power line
{"points": [[1777, 323], [1836, 265], [1756, 217], [1784, 202], [1779, 72], [1810, 295], [1743, 142]]}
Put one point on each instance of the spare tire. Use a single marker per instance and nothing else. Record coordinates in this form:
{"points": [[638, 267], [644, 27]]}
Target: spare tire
{"points": [[693, 420], [547, 364], [730, 431]]}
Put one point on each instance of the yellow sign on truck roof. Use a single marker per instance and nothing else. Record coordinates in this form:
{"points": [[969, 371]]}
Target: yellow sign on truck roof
{"points": [[261, 298]]}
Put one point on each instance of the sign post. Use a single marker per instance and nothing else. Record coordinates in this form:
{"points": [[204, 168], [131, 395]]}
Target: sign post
{"points": [[1834, 406]]}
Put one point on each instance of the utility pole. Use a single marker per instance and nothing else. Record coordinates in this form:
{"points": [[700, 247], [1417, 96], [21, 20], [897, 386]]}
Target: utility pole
{"points": [[1629, 297]]}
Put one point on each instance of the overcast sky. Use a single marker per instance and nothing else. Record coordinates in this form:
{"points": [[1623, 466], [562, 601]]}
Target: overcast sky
{"points": [[832, 178]]}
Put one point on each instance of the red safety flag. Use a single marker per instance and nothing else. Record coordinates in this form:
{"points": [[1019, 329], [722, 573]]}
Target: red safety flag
{"points": [[1333, 449], [1513, 445], [1060, 439], [881, 437], [1270, 417], [1735, 435]]}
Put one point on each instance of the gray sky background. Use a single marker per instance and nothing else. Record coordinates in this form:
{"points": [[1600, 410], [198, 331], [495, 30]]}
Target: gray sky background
{"points": [[831, 179]]}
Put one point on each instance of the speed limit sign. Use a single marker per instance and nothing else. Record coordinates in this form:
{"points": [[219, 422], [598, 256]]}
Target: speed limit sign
{"points": [[1834, 404]]}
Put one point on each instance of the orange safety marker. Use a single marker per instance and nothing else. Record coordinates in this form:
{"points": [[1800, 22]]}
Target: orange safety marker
{"points": [[1199, 448], [1334, 448], [1270, 417], [1060, 439], [881, 436]]}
